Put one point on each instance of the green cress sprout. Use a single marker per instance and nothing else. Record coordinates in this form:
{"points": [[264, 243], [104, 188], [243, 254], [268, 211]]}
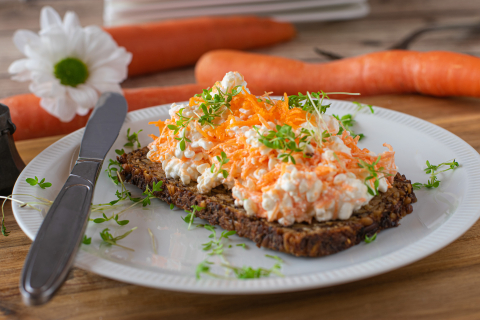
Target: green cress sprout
{"points": [[285, 139], [241, 273], [41, 201], [86, 240], [132, 139], [182, 123], [191, 215], [156, 187], [307, 103], [114, 217], [111, 240], [223, 160], [213, 107], [42, 184], [347, 121], [373, 174], [433, 170], [217, 247], [114, 167], [370, 239]]}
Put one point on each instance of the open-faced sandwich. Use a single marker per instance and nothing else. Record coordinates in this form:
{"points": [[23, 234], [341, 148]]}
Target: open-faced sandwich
{"points": [[280, 172]]}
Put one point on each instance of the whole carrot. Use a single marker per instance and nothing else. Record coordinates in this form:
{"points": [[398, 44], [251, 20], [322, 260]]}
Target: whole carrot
{"points": [[170, 44], [34, 122], [436, 73]]}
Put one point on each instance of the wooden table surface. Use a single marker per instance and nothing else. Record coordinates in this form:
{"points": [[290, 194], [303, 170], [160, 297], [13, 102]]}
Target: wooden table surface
{"points": [[445, 285]]}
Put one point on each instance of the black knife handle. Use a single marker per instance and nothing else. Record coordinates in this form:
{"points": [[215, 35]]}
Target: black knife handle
{"points": [[58, 239]]}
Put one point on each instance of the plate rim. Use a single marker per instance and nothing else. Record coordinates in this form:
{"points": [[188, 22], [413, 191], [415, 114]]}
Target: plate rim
{"points": [[459, 222]]}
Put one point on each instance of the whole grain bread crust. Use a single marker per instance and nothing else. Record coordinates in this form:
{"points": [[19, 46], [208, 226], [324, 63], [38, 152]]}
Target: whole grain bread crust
{"points": [[313, 240]]}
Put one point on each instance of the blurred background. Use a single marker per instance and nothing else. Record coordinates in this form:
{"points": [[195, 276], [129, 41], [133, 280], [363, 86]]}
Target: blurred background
{"points": [[133, 11], [342, 27]]}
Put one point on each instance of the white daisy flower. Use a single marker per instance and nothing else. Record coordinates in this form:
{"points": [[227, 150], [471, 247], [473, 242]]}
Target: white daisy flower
{"points": [[69, 66]]}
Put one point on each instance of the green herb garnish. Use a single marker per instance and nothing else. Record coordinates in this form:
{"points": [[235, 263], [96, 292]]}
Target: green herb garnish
{"points": [[347, 121], [370, 239], [182, 123], [191, 215], [114, 217], [373, 174], [132, 139], [216, 245], [86, 240], [111, 240], [156, 187], [223, 160], [240, 273], [42, 184], [433, 170], [306, 103], [214, 106], [113, 167], [285, 139], [274, 257]]}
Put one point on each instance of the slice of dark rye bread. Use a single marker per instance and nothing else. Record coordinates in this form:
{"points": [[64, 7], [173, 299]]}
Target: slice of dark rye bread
{"points": [[313, 240]]}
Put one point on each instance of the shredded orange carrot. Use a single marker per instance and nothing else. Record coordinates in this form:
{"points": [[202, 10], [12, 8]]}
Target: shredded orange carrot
{"points": [[255, 172]]}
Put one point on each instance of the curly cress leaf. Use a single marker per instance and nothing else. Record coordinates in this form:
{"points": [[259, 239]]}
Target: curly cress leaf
{"points": [[434, 170], [86, 240], [132, 139], [370, 239], [42, 184], [110, 240]]}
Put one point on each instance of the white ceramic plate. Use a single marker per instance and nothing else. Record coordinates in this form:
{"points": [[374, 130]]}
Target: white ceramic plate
{"points": [[440, 216]]}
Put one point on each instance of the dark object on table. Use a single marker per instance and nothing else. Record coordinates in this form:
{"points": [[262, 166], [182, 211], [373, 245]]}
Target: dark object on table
{"points": [[404, 43], [10, 162]]}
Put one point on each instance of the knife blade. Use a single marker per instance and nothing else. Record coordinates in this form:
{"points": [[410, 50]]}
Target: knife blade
{"points": [[58, 239]]}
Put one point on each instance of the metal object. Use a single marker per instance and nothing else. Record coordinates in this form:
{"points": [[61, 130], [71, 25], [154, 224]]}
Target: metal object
{"points": [[10, 162], [404, 43], [58, 239]]}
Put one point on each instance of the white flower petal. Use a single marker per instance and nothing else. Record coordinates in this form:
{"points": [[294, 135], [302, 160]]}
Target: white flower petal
{"points": [[119, 60], [55, 42], [49, 18], [105, 75], [40, 77], [43, 66], [82, 111], [84, 95], [22, 38], [71, 22], [99, 44], [18, 66], [36, 54], [22, 76], [107, 87], [62, 107], [47, 89], [76, 45]]}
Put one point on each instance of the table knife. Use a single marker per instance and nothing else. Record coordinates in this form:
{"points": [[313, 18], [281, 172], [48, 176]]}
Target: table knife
{"points": [[58, 239]]}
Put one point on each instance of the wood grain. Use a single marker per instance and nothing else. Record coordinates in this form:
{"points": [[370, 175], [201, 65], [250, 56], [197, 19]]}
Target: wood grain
{"points": [[445, 285]]}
